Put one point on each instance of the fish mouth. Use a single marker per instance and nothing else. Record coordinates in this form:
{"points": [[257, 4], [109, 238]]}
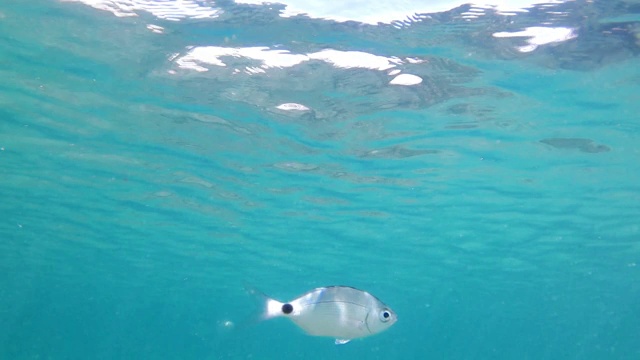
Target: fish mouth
{"points": [[393, 319]]}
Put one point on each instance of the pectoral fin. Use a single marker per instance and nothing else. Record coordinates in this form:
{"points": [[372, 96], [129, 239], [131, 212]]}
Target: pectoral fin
{"points": [[342, 341]]}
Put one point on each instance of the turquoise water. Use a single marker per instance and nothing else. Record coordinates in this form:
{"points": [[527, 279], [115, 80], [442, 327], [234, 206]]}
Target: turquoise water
{"points": [[495, 206]]}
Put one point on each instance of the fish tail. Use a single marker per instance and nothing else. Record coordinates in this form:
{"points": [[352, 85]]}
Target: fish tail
{"points": [[269, 308]]}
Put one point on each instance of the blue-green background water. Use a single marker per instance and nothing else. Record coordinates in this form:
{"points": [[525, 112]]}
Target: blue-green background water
{"points": [[495, 207]]}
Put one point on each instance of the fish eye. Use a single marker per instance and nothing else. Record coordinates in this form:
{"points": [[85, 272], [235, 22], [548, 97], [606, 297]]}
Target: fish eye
{"points": [[385, 315]]}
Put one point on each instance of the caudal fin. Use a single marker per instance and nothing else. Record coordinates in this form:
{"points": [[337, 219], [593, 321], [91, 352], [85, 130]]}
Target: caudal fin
{"points": [[267, 307]]}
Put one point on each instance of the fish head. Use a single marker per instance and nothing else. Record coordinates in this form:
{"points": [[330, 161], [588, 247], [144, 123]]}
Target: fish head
{"points": [[380, 318]]}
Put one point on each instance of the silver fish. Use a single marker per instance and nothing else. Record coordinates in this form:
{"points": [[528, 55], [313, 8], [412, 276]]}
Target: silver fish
{"points": [[340, 312]]}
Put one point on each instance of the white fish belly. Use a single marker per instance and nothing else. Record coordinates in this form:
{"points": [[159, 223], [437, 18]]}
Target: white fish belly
{"points": [[341, 320]]}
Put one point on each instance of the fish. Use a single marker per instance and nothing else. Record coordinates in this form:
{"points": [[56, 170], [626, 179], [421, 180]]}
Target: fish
{"points": [[340, 312]]}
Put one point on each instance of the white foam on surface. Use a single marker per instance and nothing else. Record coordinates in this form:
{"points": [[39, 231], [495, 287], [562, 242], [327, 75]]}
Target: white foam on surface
{"points": [[292, 107], [197, 58], [406, 80], [364, 11], [277, 58], [538, 35], [155, 28], [388, 11], [354, 59], [174, 10]]}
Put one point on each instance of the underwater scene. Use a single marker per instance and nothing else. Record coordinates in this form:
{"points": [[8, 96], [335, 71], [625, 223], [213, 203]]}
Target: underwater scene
{"points": [[307, 179]]}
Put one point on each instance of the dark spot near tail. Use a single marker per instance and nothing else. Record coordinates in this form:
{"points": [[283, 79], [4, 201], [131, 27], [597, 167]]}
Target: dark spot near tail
{"points": [[287, 308]]}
